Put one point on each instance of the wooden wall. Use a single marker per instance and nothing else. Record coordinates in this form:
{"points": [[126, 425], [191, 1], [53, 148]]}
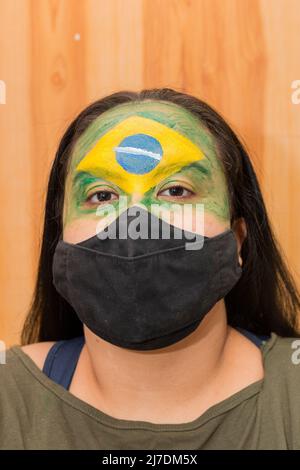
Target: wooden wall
{"points": [[56, 56]]}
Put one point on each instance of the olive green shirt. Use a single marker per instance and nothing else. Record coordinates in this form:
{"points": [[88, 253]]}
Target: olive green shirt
{"points": [[37, 413]]}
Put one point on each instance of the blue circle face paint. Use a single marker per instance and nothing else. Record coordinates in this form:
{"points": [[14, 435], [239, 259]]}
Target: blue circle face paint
{"points": [[139, 153]]}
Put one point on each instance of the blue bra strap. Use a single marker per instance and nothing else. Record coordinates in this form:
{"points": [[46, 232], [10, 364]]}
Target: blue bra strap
{"points": [[62, 359], [258, 340]]}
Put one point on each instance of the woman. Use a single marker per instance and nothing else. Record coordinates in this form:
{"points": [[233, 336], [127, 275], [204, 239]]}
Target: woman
{"points": [[150, 342]]}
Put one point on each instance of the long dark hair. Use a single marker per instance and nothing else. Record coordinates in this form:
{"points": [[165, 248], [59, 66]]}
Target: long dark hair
{"points": [[265, 298]]}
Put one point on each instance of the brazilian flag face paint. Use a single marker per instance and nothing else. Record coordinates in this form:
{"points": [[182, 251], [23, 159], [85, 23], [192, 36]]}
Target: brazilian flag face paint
{"points": [[141, 151], [122, 288], [137, 153]]}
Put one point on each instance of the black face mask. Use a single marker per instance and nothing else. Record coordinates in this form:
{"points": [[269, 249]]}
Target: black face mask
{"points": [[145, 293]]}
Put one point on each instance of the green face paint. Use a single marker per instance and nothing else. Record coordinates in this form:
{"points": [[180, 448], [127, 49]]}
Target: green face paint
{"points": [[180, 152]]}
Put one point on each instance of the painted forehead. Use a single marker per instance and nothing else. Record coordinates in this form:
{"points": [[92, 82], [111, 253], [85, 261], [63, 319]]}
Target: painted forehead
{"points": [[135, 144]]}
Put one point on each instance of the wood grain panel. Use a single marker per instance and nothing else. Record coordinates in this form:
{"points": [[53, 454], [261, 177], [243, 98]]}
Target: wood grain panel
{"points": [[241, 56], [16, 163], [56, 56]]}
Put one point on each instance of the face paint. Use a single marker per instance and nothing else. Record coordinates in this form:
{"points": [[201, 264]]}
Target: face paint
{"points": [[123, 289], [137, 161], [141, 148]]}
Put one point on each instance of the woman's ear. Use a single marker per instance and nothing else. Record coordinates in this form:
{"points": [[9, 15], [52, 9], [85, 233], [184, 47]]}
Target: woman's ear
{"points": [[240, 229]]}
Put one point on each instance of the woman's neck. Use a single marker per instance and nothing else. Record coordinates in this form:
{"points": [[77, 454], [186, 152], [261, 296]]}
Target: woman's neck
{"points": [[172, 384]]}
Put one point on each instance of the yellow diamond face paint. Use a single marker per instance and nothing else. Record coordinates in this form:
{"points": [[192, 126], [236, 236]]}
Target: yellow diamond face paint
{"points": [[149, 153], [138, 153]]}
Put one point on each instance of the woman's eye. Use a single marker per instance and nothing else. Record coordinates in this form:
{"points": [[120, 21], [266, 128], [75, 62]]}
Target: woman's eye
{"points": [[102, 196], [176, 191]]}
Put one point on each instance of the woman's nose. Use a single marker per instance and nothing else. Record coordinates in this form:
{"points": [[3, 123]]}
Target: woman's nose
{"points": [[136, 197]]}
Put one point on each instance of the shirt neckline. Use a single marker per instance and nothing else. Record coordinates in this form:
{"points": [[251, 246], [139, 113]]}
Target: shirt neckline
{"points": [[117, 423]]}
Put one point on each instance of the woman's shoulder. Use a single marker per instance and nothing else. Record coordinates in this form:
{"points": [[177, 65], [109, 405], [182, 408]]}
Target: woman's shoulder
{"points": [[17, 360], [20, 374], [38, 351], [283, 350], [282, 377], [23, 395], [282, 358], [279, 403]]}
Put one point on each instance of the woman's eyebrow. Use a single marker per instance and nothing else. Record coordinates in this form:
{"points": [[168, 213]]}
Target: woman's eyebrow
{"points": [[83, 177], [105, 175], [199, 167]]}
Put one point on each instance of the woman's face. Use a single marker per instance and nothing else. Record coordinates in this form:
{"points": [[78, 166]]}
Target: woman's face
{"points": [[153, 153]]}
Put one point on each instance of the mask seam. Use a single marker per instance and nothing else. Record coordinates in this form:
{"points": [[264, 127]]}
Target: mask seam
{"points": [[134, 258], [165, 251]]}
